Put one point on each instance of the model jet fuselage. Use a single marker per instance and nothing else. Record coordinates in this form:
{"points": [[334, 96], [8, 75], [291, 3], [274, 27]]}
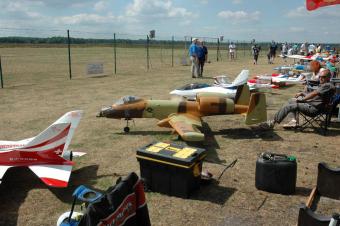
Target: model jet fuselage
{"points": [[185, 116], [160, 109]]}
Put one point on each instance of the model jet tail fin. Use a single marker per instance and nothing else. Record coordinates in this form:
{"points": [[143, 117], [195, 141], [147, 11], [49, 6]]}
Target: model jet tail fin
{"points": [[257, 111], [242, 95], [241, 79], [53, 175], [57, 134]]}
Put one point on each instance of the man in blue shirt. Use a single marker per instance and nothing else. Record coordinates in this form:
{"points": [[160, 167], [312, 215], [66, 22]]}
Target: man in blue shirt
{"points": [[193, 53]]}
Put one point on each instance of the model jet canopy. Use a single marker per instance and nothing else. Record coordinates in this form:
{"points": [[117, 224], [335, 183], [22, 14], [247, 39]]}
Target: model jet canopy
{"points": [[127, 100], [194, 86]]}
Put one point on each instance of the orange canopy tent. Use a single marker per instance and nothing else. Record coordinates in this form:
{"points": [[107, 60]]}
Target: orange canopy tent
{"points": [[314, 4]]}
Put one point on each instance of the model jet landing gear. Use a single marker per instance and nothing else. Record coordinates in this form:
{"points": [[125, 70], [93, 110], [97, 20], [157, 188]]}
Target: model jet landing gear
{"points": [[127, 128]]}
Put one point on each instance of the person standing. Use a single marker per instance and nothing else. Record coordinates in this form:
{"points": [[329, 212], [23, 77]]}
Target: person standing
{"points": [[193, 53], [303, 49], [256, 52], [284, 51], [311, 49], [232, 51], [202, 57], [272, 52], [318, 48]]}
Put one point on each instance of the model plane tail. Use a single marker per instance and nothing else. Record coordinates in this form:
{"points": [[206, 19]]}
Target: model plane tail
{"points": [[257, 111], [241, 79], [242, 95], [59, 134]]}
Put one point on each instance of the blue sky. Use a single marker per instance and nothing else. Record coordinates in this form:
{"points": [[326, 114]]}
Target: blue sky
{"points": [[262, 20]]}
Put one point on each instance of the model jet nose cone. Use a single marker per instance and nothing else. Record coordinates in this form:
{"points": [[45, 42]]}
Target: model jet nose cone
{"points": [[103, 112]]}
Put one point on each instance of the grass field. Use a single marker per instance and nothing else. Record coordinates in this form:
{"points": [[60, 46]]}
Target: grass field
{"points": [[38, 91]]}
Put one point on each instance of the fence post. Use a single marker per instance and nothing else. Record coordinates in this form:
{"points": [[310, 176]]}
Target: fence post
{"points": [[161, 48], [172, 51], [2, 81], [244, 48], [147, 52], [236, 55], [69, 53], [228, 55], [115, 52], [218, 48]]}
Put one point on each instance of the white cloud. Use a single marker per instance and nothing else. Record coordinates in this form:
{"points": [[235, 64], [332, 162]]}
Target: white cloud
{"points": [[62, 3], [156, 9], [239, 16], [297, 29], [21, 9], [204, 2], [298, 12], [100, 6], [85, 18], [236, 2]]}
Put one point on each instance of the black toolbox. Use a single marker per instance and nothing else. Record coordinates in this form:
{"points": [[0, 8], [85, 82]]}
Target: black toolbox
{"points": [[171, 169], [276, 173]]}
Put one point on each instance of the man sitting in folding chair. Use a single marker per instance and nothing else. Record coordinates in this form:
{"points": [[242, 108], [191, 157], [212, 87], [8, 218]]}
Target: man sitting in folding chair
{"points": [[309, 104]]}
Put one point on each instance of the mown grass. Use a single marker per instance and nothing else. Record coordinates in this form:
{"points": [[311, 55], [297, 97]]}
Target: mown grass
{"points": [[38, 91]]}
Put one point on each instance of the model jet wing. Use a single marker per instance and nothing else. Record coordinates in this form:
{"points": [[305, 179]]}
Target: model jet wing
{"points": [[53, 175], [186, 125]]}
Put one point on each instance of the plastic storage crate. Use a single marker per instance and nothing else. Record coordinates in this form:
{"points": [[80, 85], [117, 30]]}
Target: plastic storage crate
{"points": [[171, 169]]}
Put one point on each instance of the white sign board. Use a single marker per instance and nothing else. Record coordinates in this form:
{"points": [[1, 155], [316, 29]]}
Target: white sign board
{"points": [[95, 69]]}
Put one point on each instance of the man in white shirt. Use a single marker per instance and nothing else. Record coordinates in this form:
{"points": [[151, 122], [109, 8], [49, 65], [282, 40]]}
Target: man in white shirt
{"points": [[311, 48], [232, 50], [303, 49]]}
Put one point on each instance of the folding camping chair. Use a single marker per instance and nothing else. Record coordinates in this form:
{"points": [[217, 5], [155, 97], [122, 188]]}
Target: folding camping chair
{"points": [[321, 120], [123, 204], [328, 183]]}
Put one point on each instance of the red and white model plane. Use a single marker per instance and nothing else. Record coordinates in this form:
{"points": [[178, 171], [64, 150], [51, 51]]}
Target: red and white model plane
{"points": [[47, 154]]}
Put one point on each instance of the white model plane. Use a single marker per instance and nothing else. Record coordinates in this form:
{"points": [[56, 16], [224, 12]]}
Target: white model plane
{"points": [[314, 57], [47, 154], [277, 80], [226, 89]]}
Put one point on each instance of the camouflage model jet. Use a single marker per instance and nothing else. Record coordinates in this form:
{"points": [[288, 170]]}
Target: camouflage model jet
{"points": [[185, 116]]}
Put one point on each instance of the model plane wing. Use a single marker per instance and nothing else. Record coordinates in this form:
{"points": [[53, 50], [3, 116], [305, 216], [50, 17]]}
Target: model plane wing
{"points": [[53, 175], [186, 126]]}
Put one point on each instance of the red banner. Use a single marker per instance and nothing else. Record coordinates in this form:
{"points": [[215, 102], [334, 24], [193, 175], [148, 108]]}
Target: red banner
{"points": [[314, 4]]}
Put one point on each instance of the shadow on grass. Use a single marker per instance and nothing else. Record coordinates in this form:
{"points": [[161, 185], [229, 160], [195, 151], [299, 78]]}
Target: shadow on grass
{"points": [[287, 86], [145, 133], [249, 133], [85, 176], [213, 193], [303, 191], [332, 131], [19, 181], [209, 144]]}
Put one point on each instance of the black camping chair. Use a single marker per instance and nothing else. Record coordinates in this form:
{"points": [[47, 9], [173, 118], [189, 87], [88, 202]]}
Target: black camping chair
{"points": [[320, 120], [328, 183]]}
